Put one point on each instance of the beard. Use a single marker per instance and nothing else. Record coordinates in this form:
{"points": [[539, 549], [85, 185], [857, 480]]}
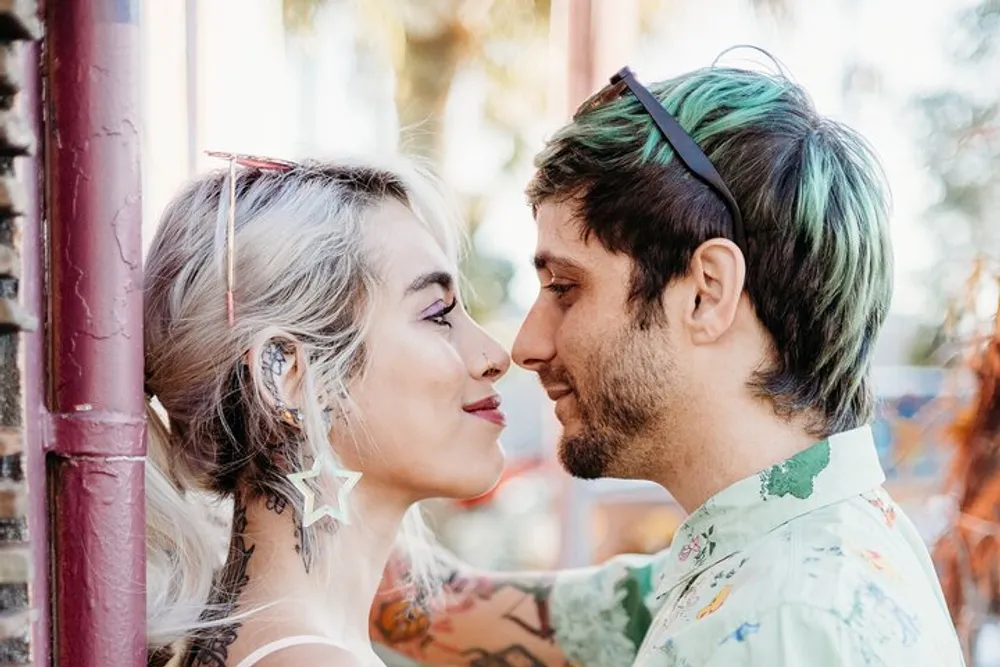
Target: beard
{"points": [[619, 400]]}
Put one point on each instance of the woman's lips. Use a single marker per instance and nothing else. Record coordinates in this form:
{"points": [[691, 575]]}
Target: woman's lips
{"points": [[487, 408]]}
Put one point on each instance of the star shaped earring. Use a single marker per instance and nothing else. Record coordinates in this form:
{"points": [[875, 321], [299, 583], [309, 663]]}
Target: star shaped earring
{"points": [[310, 513]]}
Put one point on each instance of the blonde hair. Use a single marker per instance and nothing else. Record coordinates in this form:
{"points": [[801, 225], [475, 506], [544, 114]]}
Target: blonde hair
{"points": [[304, 270]]}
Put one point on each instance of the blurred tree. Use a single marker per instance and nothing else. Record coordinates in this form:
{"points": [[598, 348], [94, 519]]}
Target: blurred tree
{"points": [[503, 43], [500, 42], [960, 133], [299, 14]]}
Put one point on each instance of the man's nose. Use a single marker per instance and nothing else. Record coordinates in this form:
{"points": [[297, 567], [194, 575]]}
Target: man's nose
{"points": [[534, 346]]}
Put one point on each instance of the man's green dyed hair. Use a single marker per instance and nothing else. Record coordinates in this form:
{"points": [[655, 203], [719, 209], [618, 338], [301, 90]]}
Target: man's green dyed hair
{"points": [[814, 204]]}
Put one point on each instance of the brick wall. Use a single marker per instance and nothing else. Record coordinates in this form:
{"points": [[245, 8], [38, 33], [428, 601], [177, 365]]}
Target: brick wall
{"points": [[18, 24]]}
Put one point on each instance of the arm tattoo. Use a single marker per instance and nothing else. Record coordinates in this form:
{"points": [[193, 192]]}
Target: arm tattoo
{"points": [[514, 655], [400, 620], [408, 624], [485, 590], [210, 647]]}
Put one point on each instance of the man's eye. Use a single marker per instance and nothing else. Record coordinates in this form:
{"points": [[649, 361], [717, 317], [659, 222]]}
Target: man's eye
{"points": [[559, 289]]}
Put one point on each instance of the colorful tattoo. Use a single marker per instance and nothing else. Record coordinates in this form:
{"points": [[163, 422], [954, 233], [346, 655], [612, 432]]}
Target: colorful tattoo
{"points": [[518, 608], [514, 655]]}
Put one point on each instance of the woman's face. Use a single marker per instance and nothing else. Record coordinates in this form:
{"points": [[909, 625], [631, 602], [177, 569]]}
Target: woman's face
{"points": [[429, 419]]}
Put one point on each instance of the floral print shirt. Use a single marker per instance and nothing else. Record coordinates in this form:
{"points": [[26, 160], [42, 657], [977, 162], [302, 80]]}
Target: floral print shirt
{"points": [[807, 563]]}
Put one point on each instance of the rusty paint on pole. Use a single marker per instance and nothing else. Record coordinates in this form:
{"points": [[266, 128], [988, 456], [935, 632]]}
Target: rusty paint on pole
{"points": [[97, 443]]}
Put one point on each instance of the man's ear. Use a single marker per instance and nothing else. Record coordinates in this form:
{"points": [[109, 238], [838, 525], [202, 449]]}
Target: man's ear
{"points": [[276, 367], [717, 275]]}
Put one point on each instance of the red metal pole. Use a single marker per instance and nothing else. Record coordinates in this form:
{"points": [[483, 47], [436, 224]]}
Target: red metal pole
{"points": [[97, 438]]}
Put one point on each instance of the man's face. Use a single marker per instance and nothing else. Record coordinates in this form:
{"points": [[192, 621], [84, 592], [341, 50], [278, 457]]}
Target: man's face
{"points": [[615, 386]]}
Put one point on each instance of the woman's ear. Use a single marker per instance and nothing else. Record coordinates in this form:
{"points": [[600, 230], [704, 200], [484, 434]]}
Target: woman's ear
{"points": [[276, 367]]}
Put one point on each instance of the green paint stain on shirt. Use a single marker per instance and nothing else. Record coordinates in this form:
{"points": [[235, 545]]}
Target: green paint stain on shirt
{"points": [[795, 477]]}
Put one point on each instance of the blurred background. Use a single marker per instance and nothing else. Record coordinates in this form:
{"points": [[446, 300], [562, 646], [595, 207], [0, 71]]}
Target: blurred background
{"points": [[475, 86]]}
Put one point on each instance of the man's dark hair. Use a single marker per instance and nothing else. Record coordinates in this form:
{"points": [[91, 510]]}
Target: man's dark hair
{"points": [[814, 204]]}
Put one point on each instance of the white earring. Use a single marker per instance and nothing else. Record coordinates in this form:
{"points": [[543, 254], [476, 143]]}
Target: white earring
{"points": [[310, 513]]}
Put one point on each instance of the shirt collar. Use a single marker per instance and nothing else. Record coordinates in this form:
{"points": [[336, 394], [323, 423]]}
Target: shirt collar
{"points": [[842, 466]]}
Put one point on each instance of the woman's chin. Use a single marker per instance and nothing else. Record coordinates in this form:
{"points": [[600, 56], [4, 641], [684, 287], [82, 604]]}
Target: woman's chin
{"points": [[477, 478], [473, 474]]}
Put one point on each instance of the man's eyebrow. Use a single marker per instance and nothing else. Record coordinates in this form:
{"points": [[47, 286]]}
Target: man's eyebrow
{"points": [[546, 260], [425, 280]]}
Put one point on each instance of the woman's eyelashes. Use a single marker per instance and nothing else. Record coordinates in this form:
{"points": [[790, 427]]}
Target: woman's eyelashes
{"points": [[438, 313]]}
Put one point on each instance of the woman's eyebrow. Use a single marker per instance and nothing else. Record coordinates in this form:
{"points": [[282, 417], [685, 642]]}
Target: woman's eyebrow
{"points": [[425, 280]]}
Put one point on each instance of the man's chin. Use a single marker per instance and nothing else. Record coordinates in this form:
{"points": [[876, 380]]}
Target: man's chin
{"points": [[581, 457]]}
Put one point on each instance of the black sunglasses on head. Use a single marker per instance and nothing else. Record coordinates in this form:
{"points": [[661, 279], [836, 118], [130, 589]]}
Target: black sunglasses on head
{"points": [[684, 146]]}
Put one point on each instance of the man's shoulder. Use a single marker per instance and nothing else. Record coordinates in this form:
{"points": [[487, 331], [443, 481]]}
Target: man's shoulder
{"points": [[792, 633], [841, 574], [827, 556], [837, 610]]}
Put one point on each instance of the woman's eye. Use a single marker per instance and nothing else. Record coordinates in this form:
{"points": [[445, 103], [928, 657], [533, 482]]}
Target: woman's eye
{"points": [[440, 316]]}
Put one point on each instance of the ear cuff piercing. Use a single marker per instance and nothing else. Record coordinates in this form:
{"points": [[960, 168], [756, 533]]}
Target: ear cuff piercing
{"points": [[291, 415]]}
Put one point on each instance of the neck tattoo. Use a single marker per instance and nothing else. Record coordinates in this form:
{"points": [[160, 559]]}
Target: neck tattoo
{"points": [[210, 647]]}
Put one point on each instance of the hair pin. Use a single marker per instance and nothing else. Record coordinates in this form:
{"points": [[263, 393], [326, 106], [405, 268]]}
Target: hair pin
{"points": [[253, 162]]}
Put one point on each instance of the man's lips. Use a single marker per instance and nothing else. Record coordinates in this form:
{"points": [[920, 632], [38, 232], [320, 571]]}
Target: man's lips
{"points": [[487, 408], [555, 393]]}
